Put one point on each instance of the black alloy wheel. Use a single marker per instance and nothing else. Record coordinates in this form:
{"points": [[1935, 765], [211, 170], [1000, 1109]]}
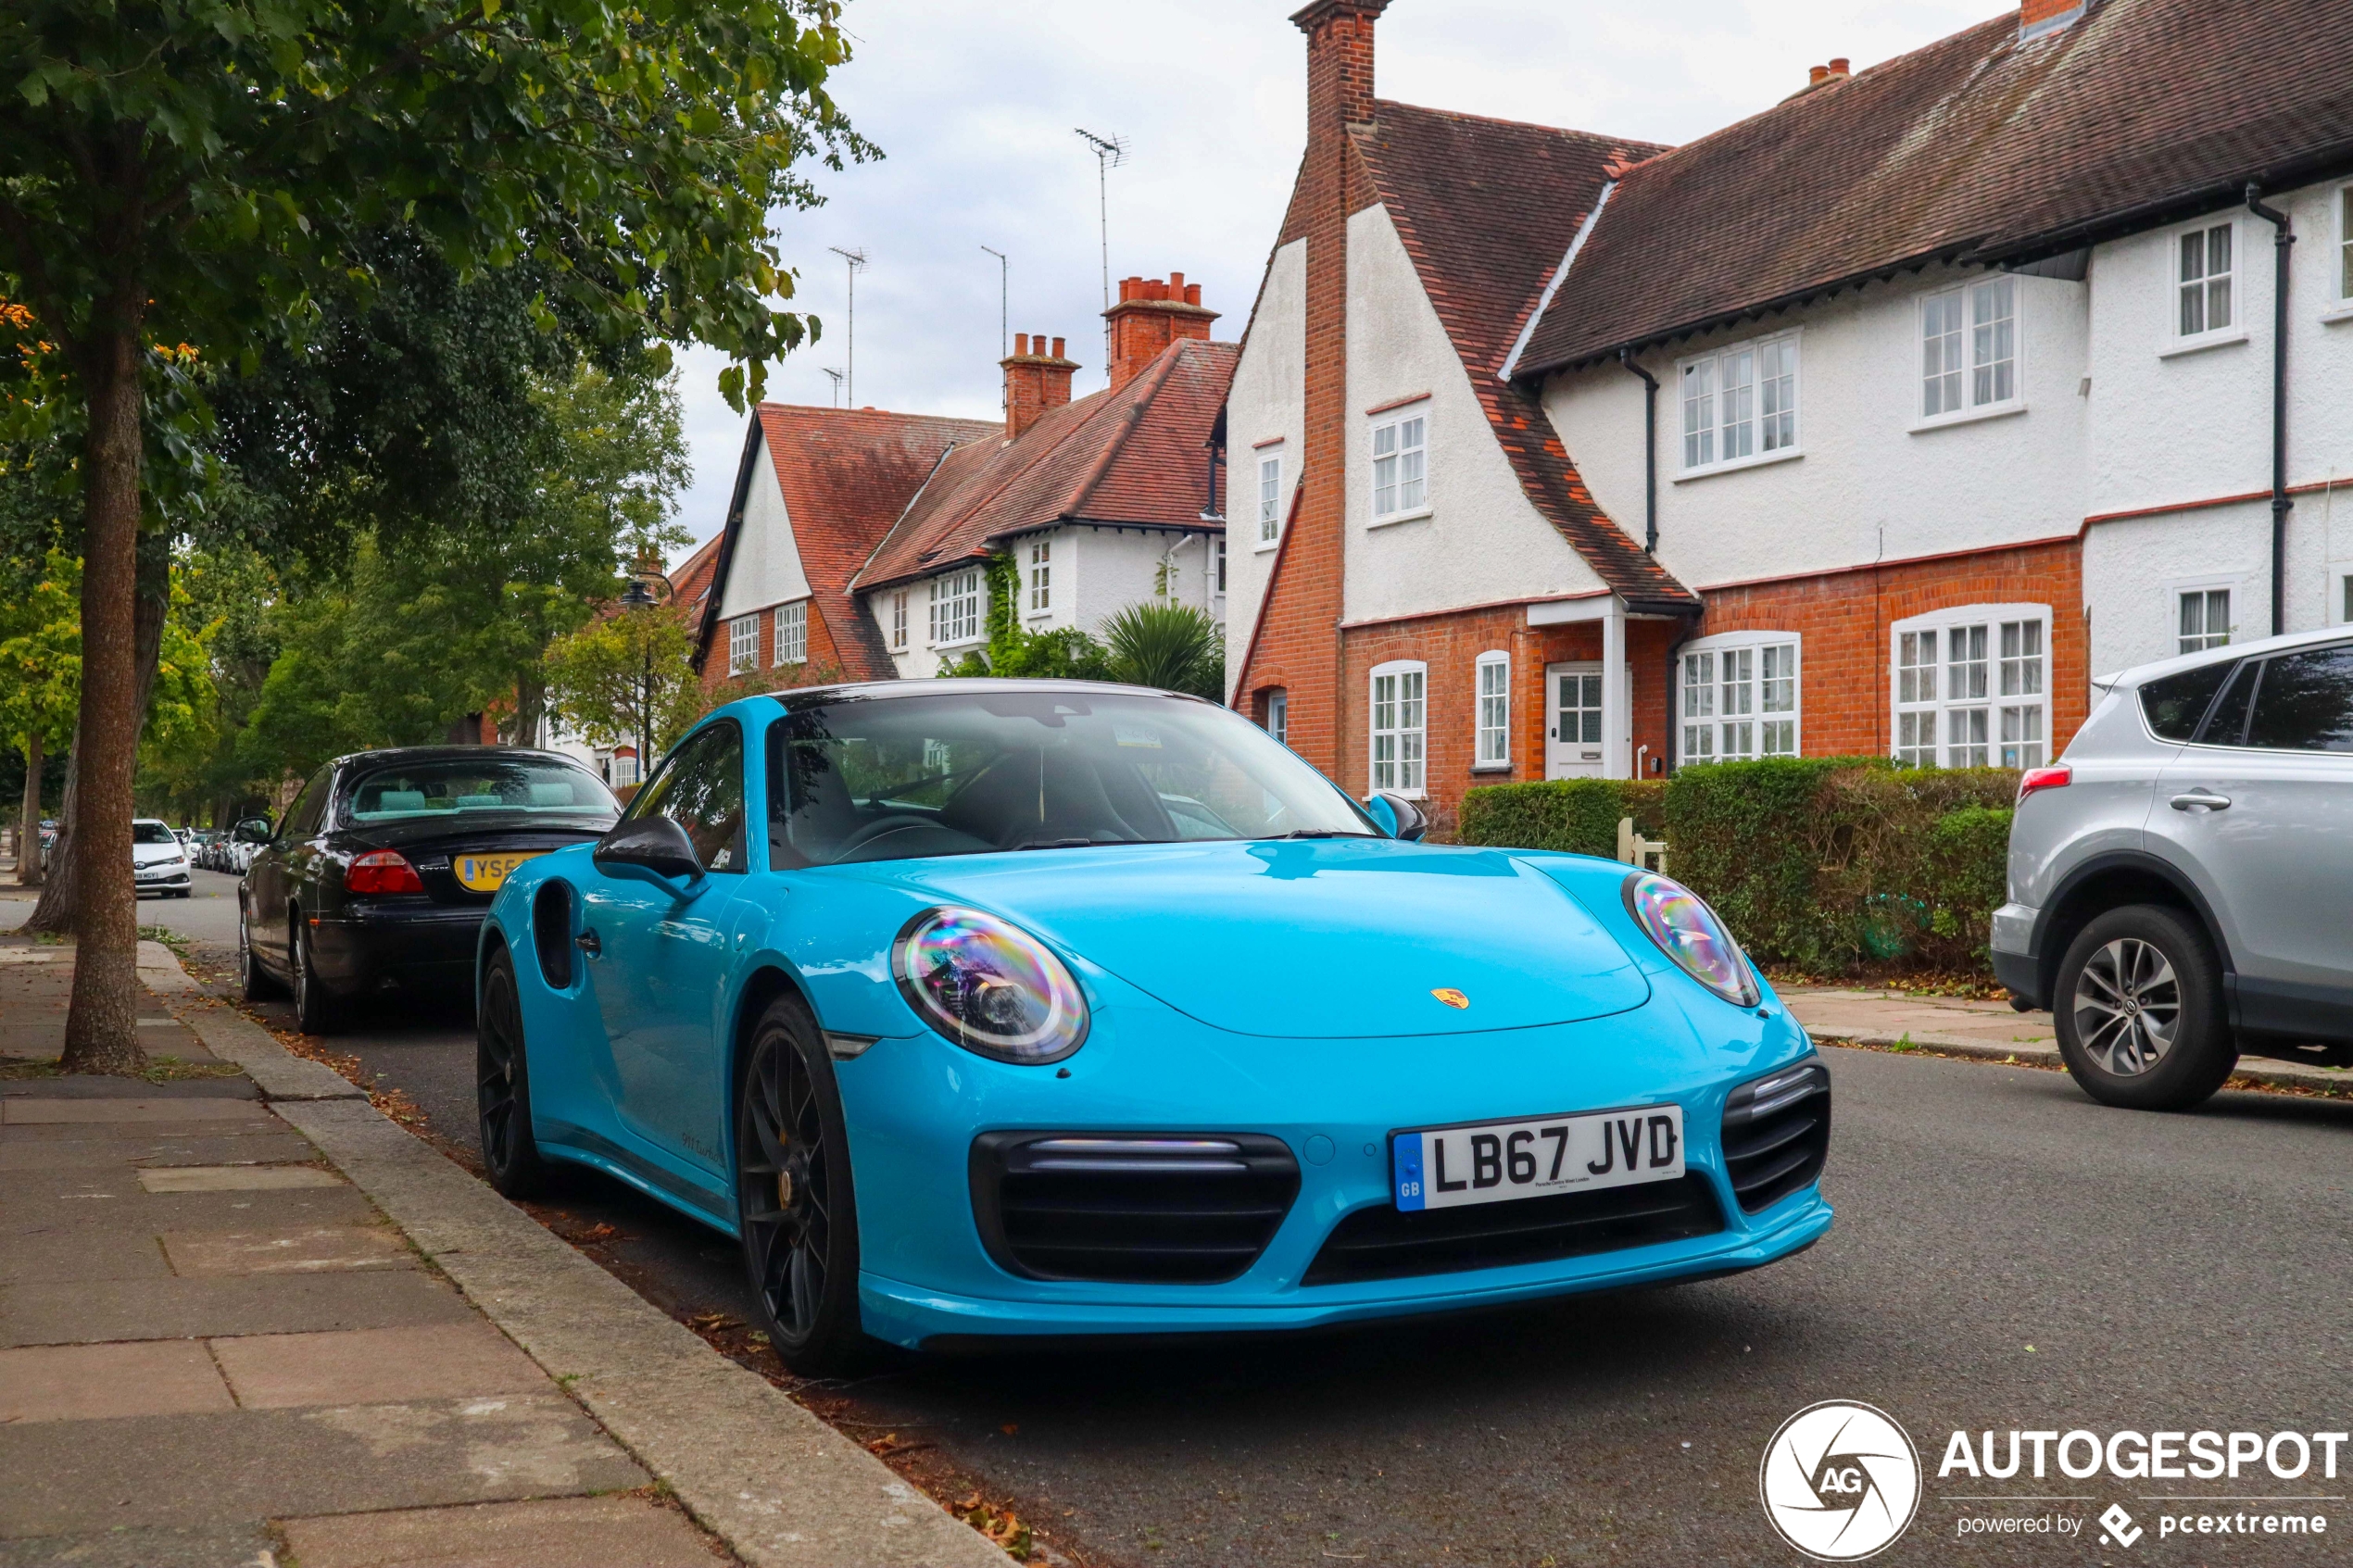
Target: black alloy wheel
{"points": [[502, 1084], [253, 982], [315, 1008], [2139, 1010], [793, 1196]]}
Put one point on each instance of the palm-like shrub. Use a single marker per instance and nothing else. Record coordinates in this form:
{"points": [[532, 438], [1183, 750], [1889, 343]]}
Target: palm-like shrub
{"points": [[1177, 647]]}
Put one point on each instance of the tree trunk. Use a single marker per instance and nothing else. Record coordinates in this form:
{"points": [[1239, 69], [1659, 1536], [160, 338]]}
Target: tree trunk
{"points": [[29, 836], [531, 706], [102, 1025], [54, 912]]}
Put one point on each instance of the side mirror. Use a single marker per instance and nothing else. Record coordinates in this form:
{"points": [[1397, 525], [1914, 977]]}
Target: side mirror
{"points": [[651, 848], [253, 829], [1398, 817]]}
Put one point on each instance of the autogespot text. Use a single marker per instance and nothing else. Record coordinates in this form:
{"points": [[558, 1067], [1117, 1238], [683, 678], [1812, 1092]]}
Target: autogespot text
{"points": [[2138, 1456]]}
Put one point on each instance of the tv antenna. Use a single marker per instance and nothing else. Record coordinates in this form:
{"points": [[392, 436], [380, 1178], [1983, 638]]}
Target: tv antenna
{"points": [[1004, 272], [857, 263], [836, 375], [1109, 153]]}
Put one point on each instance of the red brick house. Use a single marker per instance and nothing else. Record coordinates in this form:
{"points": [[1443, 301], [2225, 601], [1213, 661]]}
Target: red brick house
{"points": [[1875, 422], [856, 542]]}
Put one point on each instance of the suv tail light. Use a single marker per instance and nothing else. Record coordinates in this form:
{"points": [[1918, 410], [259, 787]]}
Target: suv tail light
{"points": [[382, 871], [2034, 779]]}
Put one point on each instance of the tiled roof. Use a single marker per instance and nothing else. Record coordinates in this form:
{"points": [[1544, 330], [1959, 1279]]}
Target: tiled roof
{"points": [[1486, 208], [847, 474], [691, 580], [1977, 147], [1137, 455]]}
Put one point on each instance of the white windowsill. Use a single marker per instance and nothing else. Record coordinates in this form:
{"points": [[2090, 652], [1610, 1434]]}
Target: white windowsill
{"points": [[981, 641], [1756, 460], [2202, 342], [1969, 417], [1264, 545], [1414, 516], [1491, 767], [2341, 311], [1401, 793]]}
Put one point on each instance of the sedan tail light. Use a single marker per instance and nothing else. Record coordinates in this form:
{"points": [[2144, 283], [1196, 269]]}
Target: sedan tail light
{"points": [[2035, 779], [382, 871]]}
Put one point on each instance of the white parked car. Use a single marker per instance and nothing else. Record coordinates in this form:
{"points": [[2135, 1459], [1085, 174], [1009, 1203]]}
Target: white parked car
{"points": [[159, 860]]}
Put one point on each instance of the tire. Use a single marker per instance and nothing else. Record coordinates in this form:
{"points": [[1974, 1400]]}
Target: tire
{"points": [[794, 1196], [502, 1085], [315, 1006], [253, 982], [2139, 1008]]}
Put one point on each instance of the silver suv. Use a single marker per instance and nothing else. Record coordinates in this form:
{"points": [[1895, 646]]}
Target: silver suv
{"points": [[2180, 881]]}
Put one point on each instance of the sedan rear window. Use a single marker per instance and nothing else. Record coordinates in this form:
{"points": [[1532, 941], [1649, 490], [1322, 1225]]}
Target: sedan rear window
{"points": [[457, 786]]}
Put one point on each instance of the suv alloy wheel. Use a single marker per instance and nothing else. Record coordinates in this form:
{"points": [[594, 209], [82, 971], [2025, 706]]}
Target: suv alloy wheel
{"points": [[2139, 1008]]}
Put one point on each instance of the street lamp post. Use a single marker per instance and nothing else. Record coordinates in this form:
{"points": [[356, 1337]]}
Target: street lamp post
{"points": [[638, 597]]}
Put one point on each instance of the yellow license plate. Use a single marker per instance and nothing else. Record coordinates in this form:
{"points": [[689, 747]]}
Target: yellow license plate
{"points": [[484, 873]]}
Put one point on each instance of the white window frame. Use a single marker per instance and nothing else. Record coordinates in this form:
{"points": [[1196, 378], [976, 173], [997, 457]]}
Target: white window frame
{"points": [[1270, 496], [1977, 343], [1221, 564], [2341, 200], [2000, 714], [792, 645], [2176, 287], [1398, 728], [1491, 711], [958, 615], [1740, 696], [743, 644], [898, 621], [2198, 604], [1399, 438], [1278, 714], [1699, 391], [625, 765], [1041, 575]]}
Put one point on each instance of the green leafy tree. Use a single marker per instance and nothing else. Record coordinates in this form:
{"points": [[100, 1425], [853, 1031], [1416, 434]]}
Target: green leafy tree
{"points": [[625, 670], [40, 679], [199, 172]]}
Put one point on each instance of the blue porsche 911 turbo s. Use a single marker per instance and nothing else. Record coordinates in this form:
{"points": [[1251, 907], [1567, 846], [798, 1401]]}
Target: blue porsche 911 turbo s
{"points": [[983, 1008]]}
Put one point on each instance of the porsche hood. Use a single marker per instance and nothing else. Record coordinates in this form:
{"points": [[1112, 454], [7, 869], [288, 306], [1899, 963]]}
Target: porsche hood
{"points": [[1332, 938]]}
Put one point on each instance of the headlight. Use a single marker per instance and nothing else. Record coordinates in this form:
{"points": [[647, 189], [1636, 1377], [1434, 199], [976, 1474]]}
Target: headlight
{"points": [[988, 987], [1688, 931]]}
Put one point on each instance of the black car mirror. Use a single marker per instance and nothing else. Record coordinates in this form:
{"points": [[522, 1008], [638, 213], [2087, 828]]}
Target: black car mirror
{"points": [[253, 829], [1405, 820], [654, 848]]}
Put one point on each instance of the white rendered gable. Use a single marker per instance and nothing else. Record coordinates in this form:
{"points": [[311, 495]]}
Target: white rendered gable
{"points": [[766, 568]]}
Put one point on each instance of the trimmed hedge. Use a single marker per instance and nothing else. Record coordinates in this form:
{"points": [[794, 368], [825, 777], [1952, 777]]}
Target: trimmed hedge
{"points": [[1823, 863]]}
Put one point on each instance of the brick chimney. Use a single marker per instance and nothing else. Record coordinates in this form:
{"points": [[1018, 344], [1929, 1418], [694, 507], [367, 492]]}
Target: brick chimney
{"points": [[1035, 381], [1340, 62], [2036, 18], [1151, 314]]}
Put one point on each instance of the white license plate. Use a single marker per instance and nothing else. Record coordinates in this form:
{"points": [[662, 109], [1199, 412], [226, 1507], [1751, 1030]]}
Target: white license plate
{"points": [[1495, 1162]]}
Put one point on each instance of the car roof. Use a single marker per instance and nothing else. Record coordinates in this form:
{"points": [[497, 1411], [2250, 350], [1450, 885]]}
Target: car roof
{"points": [[810, 696], [2141, 674], [385, 756]]}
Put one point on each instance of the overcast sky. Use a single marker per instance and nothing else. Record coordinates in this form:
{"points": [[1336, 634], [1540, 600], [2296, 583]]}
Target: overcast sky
{"points": [[974, 102]]}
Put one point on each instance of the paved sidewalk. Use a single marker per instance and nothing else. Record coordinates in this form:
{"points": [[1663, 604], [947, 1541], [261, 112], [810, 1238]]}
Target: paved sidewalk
{"points": [[213, 1347], [1994, 1030]]}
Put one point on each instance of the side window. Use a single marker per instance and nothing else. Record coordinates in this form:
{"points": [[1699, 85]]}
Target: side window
{"points": [[2305, 702], [302, 817], [2227, 724], [2174, 704], [701, 789]]}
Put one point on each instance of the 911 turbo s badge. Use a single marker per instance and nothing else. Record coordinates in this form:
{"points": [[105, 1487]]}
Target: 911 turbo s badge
{"points": [[1450, 996]]}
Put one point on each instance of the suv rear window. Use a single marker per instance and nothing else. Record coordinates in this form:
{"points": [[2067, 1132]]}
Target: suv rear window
{"points": [[2176, 703]]}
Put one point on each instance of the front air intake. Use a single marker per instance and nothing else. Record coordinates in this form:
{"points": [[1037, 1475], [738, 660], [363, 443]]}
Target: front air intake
{"points": [[1134, 1208], [1777, 1134], [1383, 1242]]}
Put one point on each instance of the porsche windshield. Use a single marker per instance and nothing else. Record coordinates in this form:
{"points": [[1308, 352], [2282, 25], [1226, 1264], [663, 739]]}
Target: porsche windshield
{"points": [[898, 778]]}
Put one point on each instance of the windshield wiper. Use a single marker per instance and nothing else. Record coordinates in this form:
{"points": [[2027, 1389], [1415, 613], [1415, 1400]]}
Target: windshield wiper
{"points": [[1055, 844], [1323, 832]]}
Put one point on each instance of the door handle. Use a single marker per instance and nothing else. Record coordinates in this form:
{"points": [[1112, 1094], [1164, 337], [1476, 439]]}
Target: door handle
{"points": [[590, 944], [2197, 797]]}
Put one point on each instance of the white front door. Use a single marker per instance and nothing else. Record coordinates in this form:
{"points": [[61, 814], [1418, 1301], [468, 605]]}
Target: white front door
{"points": [[1573, 720]]}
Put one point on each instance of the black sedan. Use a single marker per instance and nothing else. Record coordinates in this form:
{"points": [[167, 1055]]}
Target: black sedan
{"points": [[378, 876]]}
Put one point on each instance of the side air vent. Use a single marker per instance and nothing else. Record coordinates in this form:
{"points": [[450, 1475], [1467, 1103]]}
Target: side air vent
{"points": [[1142, 1208], [1777, 1134], [1388, 1242], [551, 931]]}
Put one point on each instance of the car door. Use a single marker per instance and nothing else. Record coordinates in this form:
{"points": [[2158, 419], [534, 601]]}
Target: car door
{"points": [[659, 974], [269, 887], [2260, 812]]}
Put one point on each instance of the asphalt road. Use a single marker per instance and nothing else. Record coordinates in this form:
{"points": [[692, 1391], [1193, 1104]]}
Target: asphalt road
{"points": [[2007, 1255]]}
